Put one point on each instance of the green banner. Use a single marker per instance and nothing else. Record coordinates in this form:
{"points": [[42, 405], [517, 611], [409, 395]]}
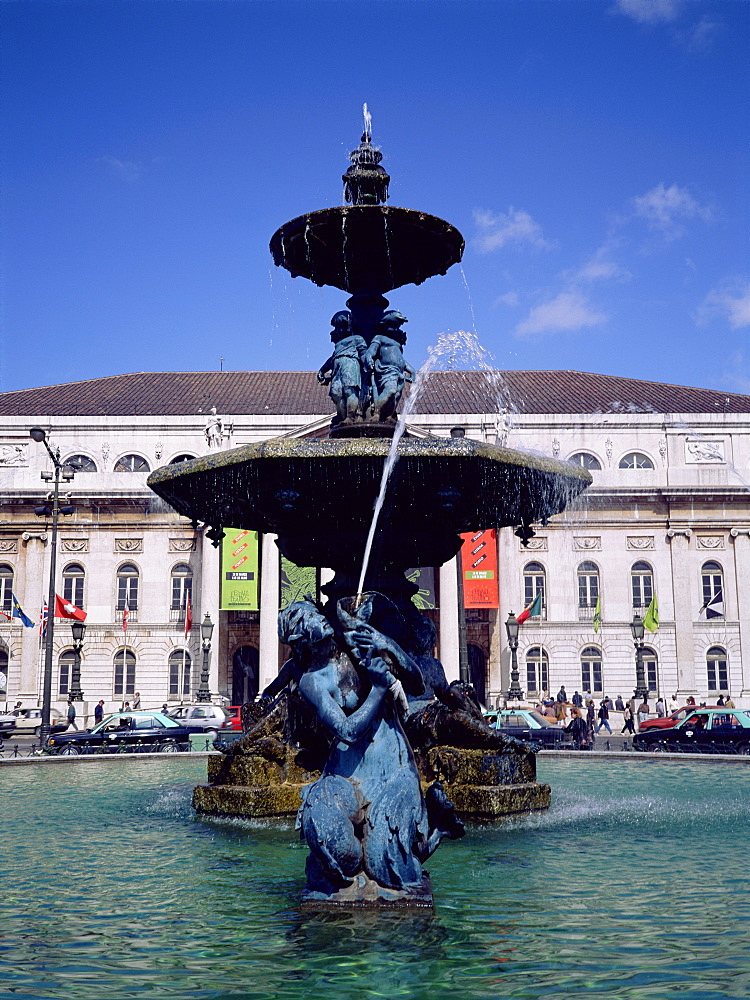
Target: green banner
{"points": [[239, 570], [297, 582]]}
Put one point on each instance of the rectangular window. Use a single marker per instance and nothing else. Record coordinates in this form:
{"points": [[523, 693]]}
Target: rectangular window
{"points": [[643, 590], [179, 678], [126, 684], [588, 591], [64, 678], [127, 592], [591, 675], [718, 675], [73, 590], [181, 587], [651, 674]]}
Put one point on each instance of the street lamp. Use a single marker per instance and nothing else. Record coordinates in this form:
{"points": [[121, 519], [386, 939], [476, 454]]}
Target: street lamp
{"points": [[39, 435], [207, 630], [636, 628], [511, 627], [79, 631]]}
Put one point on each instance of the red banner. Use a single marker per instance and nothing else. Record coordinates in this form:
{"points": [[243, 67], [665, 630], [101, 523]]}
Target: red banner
{"points": [[479, 568]]}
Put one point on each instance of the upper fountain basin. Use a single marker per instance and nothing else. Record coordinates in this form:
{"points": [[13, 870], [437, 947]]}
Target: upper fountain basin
{"points": [[364, 249], [302, 485]]}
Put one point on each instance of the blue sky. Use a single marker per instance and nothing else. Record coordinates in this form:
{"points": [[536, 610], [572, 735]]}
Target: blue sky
{"points": [[594, 155]]}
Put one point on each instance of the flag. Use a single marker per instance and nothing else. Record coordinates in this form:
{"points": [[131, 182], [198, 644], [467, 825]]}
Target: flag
{"points": [[18, 613], [714, 607], [188, 616], [66, 609], [598, 614], [125, 612], [535, 608], [651, 618], [43, 621]]}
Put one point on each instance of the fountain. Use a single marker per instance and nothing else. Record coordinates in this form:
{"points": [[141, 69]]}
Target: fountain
{"points": [[364, 727]]}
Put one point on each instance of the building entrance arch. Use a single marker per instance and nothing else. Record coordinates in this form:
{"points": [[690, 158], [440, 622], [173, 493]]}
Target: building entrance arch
{"points": [[245, 663]]}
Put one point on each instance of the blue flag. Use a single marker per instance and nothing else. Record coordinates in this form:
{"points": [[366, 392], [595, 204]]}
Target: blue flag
{"points": [[18, 613]]}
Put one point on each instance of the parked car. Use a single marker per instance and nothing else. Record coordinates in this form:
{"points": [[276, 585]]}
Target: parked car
{"points": [[200, 718], [124, 731], [28, 721], [7, 723], [704, 730], [528, 724], [234, 717], [671, 720]]}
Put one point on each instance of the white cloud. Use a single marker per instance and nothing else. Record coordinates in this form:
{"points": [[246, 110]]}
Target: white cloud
{"points": [[569, 311], [600, 267], [508, 299], [496, 231], [667, 208], [125, 169], [731, 301], [650, 11], [699, 37]]}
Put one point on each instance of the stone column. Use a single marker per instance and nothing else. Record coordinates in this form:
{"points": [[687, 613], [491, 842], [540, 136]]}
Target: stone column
{"points": [[741, 538], [31, 597], [269, 611], [683, 610], [449, 638], [210, 561]]}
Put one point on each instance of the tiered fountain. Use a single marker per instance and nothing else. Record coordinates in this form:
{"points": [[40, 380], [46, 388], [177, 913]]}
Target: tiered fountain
{"points": [[363, 677]]}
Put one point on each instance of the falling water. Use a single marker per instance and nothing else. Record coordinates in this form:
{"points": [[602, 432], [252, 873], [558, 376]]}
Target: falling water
{"points": [[368, 120]]}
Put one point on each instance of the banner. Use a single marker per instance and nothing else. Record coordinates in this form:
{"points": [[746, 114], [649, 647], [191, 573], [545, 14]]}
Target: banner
{"points": [[239, 570], [479, 568], [297, 582], [424, 577]]}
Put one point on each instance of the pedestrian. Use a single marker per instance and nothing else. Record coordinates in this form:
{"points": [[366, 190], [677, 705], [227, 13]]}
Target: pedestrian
{"points": [[578, 700], [603, 714], [560, 713], [126, 707], [72, 716], [164, 708], [609, 704], [136, 701], [619, 703], [627, 720], [561, 696], [690, 700], [98, 712], [720, 701], [590, 715], [728, 703], [673, 704], [578, 729], [660, 710], [643, 712]]}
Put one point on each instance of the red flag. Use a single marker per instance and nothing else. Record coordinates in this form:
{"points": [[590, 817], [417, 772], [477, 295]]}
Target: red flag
{"points": [[188, 616], [43, 621], [125, 618], [535, 608], [66, 609]]}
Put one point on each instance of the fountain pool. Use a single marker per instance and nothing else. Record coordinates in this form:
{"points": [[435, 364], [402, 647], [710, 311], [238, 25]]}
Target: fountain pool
{"points": [[631, 886]]}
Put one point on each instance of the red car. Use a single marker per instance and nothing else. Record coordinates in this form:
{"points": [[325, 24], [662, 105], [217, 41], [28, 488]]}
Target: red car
{"points": [[234, 719], [671, 720]]}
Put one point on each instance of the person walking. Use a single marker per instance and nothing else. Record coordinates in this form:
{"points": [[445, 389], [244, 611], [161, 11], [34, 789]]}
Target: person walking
{"points": [[561, 696], [643, 713], [98, 712], [72, 716], [578, 729], [660, 710], [577, 700], [627, 721], [728, 703], [590, 716], [673, 704], [619, 703], [603, 714], [720, 701], [137, 701]]}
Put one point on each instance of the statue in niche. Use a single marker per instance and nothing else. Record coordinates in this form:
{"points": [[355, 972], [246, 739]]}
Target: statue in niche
{"points": [[214, 429], [385, 363], [343, 370], [365, 815]]}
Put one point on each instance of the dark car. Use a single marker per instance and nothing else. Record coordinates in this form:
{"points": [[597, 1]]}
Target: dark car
{"points": [[704, 730], [124, 732], [528, 724]]}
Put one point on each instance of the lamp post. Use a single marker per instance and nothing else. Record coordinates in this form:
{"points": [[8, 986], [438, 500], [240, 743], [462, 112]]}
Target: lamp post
{"points": [[207, 629], [39, 435], [79, 631], [636, 628], [511, 627]]}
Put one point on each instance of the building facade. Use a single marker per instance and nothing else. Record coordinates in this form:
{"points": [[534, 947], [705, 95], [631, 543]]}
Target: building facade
{"points": [[668, 515]]}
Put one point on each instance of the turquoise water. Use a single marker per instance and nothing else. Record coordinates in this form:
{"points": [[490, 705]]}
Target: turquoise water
{"points": [[632, 886]]}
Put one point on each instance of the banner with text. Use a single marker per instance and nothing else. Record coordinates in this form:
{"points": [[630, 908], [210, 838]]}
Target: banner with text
{"points": [[297, 583], [239, 570], [479, 568]]}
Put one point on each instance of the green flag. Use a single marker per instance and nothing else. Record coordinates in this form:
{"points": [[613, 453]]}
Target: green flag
{"points": [[598, 614], [651, 618]]}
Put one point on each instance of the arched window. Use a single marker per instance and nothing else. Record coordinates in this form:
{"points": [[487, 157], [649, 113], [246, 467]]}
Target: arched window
{"points": [[132, 463], [537, 670], [591, 669], [182, 585], [80, 463], [712, 581], [588, 590], [533, 584], [65, 674], [73, 577], [127, 591], [642, 585], [179, 673], [181, 458], [586, 460], [636, 460], [6, 589], [124, 673], [716, 669], [3, 671], [651, 669]]}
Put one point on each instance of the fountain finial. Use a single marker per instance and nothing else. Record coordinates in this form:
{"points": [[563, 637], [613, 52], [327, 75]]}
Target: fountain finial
{"points": [[366, 182]]}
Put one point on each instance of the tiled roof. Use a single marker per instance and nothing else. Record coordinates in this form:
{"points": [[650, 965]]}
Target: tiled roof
{"points": [[278, 393]]}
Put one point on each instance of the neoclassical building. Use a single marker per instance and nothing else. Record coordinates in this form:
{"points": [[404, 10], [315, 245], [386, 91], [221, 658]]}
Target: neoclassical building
{"points": [[668, 514]]}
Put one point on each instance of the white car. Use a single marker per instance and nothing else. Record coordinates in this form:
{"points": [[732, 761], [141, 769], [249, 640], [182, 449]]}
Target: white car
{"points": [[28, 721], [200, 718]]}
